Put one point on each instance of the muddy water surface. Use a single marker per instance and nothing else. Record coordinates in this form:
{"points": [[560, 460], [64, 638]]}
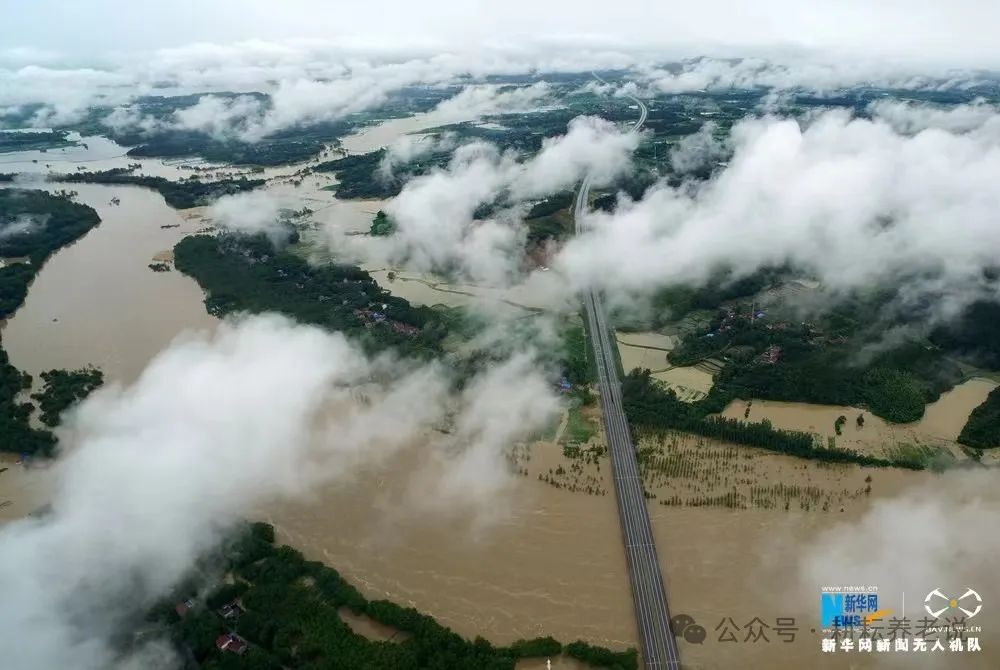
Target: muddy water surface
{"points": [[649, 351], [553, 566], [941, 424], [96, 302], [23, 489], [385, 133]]}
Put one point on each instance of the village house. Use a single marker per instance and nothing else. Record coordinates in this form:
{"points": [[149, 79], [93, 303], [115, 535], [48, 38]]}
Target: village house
{"points": [[231, 642]]}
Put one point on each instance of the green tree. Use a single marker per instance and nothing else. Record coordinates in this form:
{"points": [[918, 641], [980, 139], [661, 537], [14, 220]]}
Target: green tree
{"points": [[382, 225]]}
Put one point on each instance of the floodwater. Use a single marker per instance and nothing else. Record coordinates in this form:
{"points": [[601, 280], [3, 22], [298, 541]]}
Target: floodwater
{"points": [[652, 340], [385, 133], [554, 565], [23, 489], [649, 351], [366, 627], [941, 424], [423, 288], [96, 302], [644, 350], [94, 154]]}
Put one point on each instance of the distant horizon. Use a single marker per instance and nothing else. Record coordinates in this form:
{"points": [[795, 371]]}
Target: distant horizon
{"points": [[956, 33]]}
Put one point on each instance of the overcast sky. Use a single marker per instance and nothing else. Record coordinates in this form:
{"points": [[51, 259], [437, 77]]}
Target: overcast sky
{"points": [[957, 31]]}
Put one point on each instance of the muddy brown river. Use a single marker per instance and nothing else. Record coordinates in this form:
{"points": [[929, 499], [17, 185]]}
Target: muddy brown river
{"points": [[96, 302]]}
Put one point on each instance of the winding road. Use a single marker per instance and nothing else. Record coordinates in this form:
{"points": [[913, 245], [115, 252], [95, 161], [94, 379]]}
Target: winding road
{"points": [[659, 647]]}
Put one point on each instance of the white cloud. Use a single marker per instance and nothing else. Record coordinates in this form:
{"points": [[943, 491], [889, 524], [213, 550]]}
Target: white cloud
{"points": [[911, 118], [848, 200], [934, 29], [65, 93], [222, 118], [591, 146], [23, 224], [473, 102], [698, 150], [434, 216], [810, 73], [304, 91], [127, 118], [926, 537], [251, 212], [471, 467], [434, 213], [152, 474], [408, 148], [318, 80]]}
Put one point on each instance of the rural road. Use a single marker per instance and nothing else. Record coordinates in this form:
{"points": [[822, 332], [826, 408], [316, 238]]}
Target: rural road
{"points": [[659, 648]]}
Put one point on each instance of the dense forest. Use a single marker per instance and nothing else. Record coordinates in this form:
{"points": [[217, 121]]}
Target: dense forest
{"points": [[179, 144], [982, 431], [16, 433], [768, 356], [648, 405], [36, 224], [63, 389], [670, 304], [896, 385], [247, 274], [40, 140], [359, 176], [975, 335], [576, 356], [178, 194], [287, 615]]}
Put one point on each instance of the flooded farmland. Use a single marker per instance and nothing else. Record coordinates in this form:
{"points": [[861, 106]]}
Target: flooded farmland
{"points": [[940, 426], [649, 351]]}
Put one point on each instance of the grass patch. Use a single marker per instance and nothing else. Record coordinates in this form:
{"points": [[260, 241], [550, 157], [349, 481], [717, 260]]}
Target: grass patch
{"points": [[921, 456], [579, 429]]}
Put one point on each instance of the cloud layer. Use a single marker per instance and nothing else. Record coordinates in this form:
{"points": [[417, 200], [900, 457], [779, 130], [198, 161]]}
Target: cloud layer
{"points": [[435, 213], [809, 73], [850, 201], [251, 213], [312, 80]]}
